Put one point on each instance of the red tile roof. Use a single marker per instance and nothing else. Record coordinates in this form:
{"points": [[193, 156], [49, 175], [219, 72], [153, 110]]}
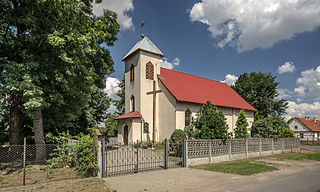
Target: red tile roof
{"points": [[312, 124], [130, 115], [190, 88]]}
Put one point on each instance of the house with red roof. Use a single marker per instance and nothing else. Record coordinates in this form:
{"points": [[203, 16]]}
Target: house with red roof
{"points": [[307, 129], [159, 100]]}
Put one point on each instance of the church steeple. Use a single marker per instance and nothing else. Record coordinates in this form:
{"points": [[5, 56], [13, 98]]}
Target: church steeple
{"points": [[144, 44]]}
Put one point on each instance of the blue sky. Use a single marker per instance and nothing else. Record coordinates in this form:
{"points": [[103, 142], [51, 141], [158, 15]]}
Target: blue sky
{"points": [[220, 40]]}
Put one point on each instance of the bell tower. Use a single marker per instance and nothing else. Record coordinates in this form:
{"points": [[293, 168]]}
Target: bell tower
{"points": [[142, 65]]}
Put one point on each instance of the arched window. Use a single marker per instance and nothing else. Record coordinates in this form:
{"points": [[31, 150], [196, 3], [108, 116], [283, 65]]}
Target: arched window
{"points": [[187, 117], [132, 104], [131, 73], [149, 71]]}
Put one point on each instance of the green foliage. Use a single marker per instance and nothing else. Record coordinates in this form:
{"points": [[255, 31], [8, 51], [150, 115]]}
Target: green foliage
{"points": [[269, 127], [190, 132], [256, 116], [177, 136], [74, 151], [120, 103], [111, 125], [52, 58], [260, 91], [241, 126], [241, 167], [287, 133], [210, 124], [85, 159]]}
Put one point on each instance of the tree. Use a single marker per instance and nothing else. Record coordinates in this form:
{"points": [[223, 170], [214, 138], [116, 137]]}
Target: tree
{"points": [[120, 103], [256, 116], [269, 127], [111, 125], [53, 62], [210, 124], [241, 126], [260, 91], [177, 136], [287, 133]]}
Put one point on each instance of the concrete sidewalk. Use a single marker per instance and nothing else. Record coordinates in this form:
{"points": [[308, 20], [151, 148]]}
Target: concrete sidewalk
{"points": [[292, 176]]}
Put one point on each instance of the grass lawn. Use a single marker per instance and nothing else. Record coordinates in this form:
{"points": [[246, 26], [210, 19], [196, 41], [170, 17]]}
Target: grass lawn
{"points": [[241, 167], [88, 185], [302, 155], [311, 143]]}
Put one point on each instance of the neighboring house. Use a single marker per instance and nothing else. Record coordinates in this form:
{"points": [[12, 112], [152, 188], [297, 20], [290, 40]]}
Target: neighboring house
{"points": [[159, 100], [305, 128]]}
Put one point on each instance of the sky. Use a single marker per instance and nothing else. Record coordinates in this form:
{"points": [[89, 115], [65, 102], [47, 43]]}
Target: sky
{"points": [[222, 39]]}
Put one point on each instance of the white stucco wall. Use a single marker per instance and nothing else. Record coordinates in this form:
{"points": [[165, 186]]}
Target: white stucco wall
{"points": [[167, 109], [231, 115]]}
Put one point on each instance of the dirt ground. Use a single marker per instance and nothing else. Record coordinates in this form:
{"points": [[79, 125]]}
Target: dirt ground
{"points": [[10, 177], [295, 173], [87, 185]]}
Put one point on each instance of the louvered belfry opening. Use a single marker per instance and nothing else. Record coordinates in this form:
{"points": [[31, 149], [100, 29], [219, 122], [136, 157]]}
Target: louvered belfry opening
{"points": [[149, 71]]}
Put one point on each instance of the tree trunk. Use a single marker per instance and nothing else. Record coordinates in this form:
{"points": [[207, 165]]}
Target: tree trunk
{"points": [[14, 121], [39, 135]]}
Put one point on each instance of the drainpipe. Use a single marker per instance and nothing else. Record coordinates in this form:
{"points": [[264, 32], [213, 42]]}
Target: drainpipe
{"points": [[142, 123]]}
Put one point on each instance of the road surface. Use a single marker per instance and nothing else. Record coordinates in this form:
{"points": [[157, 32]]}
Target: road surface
{"points": [[293, 176]]}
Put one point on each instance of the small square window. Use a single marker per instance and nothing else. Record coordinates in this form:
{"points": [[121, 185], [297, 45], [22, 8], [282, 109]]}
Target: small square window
{"points": [[301, 135], [295, 127]]}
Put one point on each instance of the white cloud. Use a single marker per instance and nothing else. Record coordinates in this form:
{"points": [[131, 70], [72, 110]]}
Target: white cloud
{"points": [[303, 109], [112, 87], [121, 7], [230, 79], [284, 93], [169, 65], [309, 84], [249, 24], [286, 67]]}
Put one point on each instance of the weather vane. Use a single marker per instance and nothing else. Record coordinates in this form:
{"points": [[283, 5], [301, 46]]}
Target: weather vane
{"points": [[142, 24]]}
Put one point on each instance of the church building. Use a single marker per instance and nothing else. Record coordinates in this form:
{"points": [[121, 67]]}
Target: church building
{"points": [[159, 100]]}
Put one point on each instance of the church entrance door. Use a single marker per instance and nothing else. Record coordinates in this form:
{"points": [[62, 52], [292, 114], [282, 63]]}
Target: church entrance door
{"points": [[125, 135]]}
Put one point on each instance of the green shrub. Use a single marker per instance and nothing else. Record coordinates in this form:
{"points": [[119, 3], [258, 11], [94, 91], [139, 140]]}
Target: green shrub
{"points": [[177, 136], [190, 132], [210, 123], [269, 127], [287, 133], [75, 152], [241, 126]]}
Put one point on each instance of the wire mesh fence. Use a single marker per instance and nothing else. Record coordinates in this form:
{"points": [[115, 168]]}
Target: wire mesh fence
{"points": [[35, 164]]}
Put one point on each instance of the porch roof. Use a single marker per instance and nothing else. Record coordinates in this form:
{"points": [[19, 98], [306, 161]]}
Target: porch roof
{"points": [[134, 114]]}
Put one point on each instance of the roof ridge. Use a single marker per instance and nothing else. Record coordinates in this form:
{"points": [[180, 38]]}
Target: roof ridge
{"points": [[193, 75]]}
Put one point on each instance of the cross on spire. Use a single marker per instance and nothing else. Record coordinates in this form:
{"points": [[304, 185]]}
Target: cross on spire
{"points": [[142, 24]]}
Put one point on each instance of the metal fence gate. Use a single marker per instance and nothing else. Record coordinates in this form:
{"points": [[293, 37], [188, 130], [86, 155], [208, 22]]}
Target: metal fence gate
{"points": [[120, 159]]}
